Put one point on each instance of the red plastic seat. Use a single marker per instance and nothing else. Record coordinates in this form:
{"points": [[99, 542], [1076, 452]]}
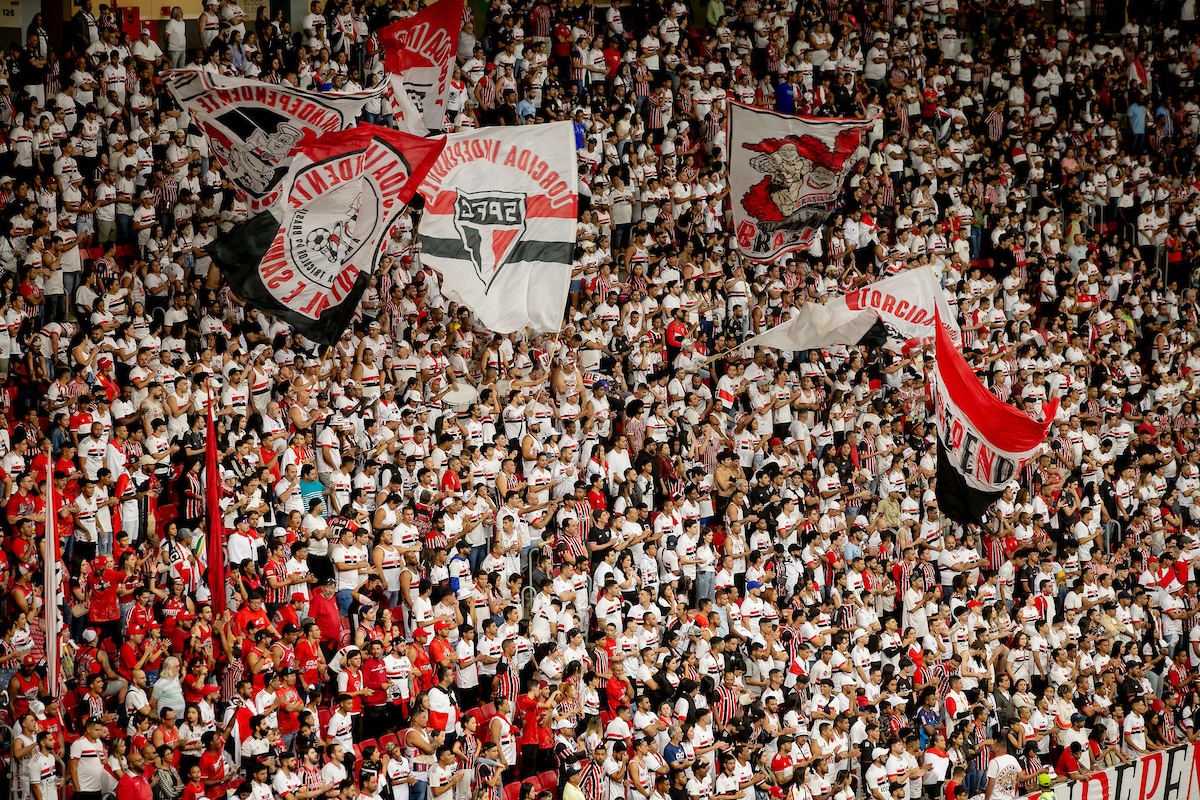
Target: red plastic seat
{"points": [[549, 781], [489, 711], [535, 783], [368, 743], [512, 791], [323, 717], [386, 739], [477, 713]]}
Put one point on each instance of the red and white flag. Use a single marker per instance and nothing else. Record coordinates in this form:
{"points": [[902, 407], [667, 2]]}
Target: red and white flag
{"points": [[499, 223], [309, 260], [255, 128], [786, 175], [983, 443], [421, 50]]}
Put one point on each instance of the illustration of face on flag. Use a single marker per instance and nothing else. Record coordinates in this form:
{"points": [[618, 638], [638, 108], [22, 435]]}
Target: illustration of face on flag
{"points": [[420, 50], [310, 260], [255, 128], [499, 223], [983, 443], [785, 176]]}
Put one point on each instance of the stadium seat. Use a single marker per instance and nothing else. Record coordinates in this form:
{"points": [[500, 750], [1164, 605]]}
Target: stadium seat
{"points": [[386, 739], [535, 783], [489, 711], [477, 713], [549, 781], [165, 515], [512, 791], [368, 743], [323, 717]]}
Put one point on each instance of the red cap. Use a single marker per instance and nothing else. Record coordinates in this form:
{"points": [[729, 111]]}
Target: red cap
{"points": [[299, 598], [419, 632], [136, 630], [29, 660], [440, 625]]}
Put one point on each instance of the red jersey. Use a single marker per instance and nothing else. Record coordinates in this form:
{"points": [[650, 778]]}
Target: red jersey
{"points": [[141, 617], [213, 767], [308, 657], [102, 586]]}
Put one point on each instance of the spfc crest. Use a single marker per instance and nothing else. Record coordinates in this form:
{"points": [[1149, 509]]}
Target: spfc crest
{"points": [[489, 226]]}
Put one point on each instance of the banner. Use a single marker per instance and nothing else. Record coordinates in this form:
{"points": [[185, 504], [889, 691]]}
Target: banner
{"points": [[785, 176], [255, 128], [309, 260], [906, 306], [421, 50], [983, 443], [1165, 775], [499, 223]]}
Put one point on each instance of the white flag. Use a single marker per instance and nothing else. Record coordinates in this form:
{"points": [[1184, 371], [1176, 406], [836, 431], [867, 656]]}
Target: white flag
{"points": [[906, 304], [404, 111], [499, 223], [255, 128], [785, 176]]}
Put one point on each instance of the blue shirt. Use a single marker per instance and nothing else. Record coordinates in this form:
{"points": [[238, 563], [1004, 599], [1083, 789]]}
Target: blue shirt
{"points": [[1137, 118], [785, 98]]}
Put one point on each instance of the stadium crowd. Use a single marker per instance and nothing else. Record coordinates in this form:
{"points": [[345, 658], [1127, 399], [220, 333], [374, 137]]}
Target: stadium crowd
{"points": [[630, 560]]}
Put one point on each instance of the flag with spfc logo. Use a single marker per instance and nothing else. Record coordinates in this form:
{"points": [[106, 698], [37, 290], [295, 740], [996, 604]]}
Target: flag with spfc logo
{"points": [[310, 260], [499, 223]]}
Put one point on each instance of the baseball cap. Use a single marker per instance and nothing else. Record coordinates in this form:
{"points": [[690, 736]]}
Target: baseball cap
{"points": [[29, 660]]}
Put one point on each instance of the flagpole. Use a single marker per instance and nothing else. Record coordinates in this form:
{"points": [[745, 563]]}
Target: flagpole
{"points": [[52, 620], [216, 523]]}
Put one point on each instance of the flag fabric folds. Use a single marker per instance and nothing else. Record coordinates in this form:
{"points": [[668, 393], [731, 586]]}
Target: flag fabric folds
{"points": [[212, 503], [785, 176], [52, 591], [499, 223], [983, 443], [404, 111], [310, 259], [255, 128], [420, 50], [905, 305]]}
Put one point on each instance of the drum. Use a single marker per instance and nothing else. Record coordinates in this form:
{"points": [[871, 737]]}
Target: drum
{"points": [[460, 398]]}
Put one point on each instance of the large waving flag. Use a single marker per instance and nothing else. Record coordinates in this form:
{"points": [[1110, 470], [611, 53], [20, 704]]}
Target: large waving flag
{"points": [[983, 443], [785, 176], [903, 308], [420, 50], [309, 260], [255, 128], [499, 223]]}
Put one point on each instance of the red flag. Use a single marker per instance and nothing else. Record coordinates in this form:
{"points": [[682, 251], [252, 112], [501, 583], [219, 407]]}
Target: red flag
{"points": [[216, 523], [52, 589], [421, 50]]}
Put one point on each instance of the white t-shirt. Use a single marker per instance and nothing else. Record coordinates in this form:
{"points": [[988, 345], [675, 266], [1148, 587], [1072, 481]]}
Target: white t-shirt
{"points": [[1004, 770]]}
